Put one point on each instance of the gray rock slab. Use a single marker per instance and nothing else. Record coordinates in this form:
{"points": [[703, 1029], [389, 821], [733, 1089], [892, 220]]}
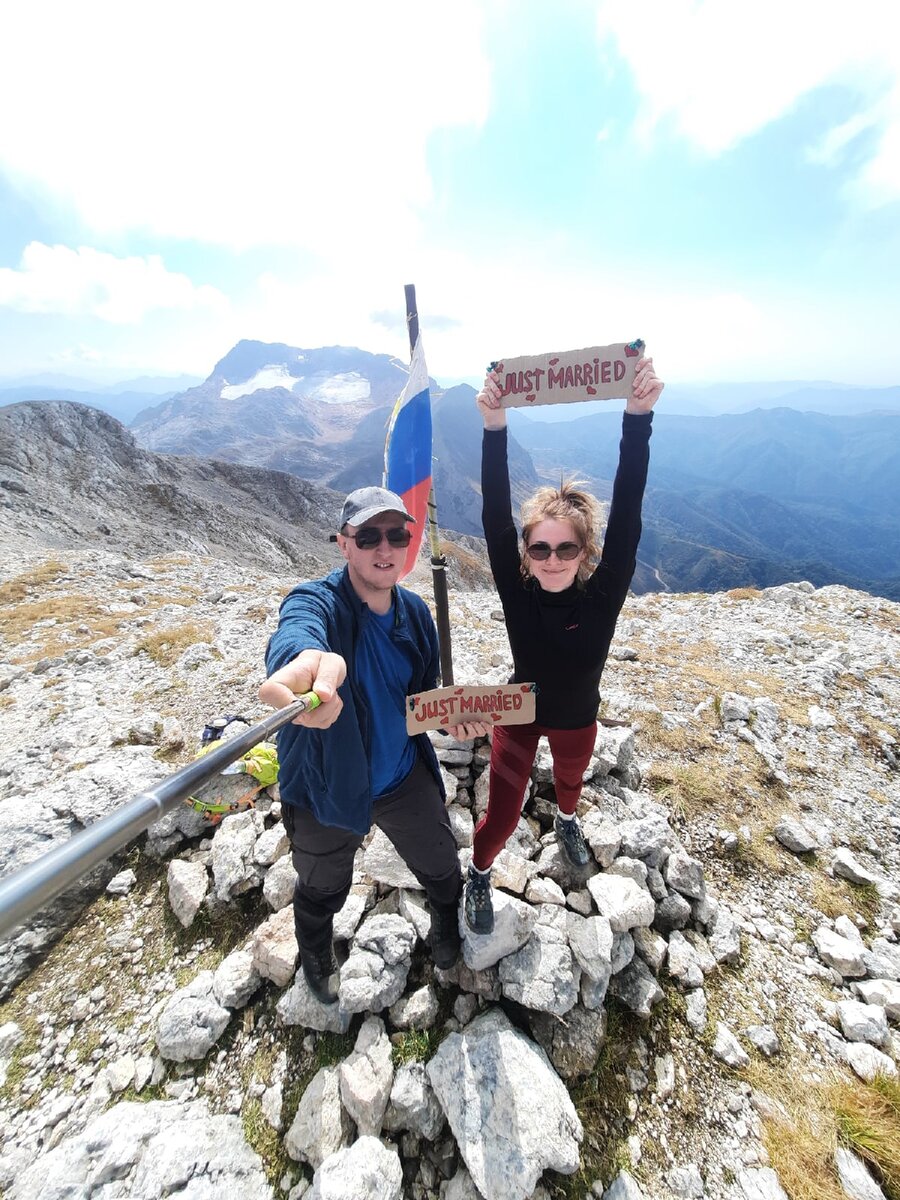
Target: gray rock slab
{"points": [[374, 975], [188, 883], [511, 1115], [855, 1179], [413, 1105], [884, 992], [321, 1126], [192, 1021], [279, 884], [542, 975], [572, 1042], [366, 1077], [381, 862], [274, 947], [298, 1006], [147, 1151], [794, 836], [863, 1022], [637, 988], [235, 979], [621, 901], [368, 1169], [514, 921], [839, 952]]}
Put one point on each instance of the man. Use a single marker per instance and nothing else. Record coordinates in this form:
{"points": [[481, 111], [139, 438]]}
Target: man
{"points": [[362, 644]]}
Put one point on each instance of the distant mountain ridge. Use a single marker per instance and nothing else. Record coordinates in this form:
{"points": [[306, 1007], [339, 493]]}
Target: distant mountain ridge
{"points": [[747, 499], [326, 421], [756, 498]]}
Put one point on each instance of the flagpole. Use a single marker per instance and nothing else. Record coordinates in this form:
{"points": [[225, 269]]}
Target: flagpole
{"points": [[438, 561]]}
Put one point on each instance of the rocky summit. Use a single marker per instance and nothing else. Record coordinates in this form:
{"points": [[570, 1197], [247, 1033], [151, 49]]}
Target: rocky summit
{"points": [[680, 1019]]}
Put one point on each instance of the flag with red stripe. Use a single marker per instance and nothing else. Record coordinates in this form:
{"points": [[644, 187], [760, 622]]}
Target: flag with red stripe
{"points": [[407, 450]]}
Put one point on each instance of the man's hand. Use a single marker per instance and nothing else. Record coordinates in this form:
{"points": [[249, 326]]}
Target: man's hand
{"points": [[489, 404], [646, 388], [311, 671]]}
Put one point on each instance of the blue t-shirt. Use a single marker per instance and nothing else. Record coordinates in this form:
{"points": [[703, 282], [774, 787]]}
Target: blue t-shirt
{"points": [[384, 673]]}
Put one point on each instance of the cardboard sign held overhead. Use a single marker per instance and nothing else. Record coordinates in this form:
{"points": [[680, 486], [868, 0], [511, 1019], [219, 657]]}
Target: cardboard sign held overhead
{"points": [[598, 373], [502, 704]]}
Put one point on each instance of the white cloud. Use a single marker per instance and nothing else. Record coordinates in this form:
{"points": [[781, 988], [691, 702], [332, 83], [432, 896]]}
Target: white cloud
{"points": [[284, 124], [87, 282], [720, 70]]}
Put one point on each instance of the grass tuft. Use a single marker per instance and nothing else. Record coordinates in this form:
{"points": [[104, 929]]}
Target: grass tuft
{"points": [[167, 645], [868, 1122]]}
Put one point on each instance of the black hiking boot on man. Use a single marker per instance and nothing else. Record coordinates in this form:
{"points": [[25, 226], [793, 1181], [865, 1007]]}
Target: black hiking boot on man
{"points": [[478, 906], [445, 939], [320, 970], [570, 837]]}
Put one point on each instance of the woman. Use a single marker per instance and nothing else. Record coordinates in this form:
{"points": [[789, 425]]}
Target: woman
{"points": [[560, 617]]}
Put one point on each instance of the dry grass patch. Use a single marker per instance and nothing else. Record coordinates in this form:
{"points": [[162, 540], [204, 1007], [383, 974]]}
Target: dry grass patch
{"points": [[811, 1117], [64, 613], [167, 645], [689, 788], [744, 593], [868, 1122], [17, 588], [837, 898]]}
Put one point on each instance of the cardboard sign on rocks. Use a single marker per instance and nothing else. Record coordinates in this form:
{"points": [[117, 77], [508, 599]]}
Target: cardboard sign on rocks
{"points": [[598, 373], [502, 704]]}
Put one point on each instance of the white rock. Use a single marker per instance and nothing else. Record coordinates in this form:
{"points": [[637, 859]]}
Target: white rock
{"points": [[863, 1022], [868, 1062], [514, 921], [121, 884], [279, 884], [622, 902], [367, 1169], [855, 1179], [274, 947], [529, 1125], [366, 1077], [838, 952], [728, 1049], [235, 979], [320, 1127], [188, 883], [884, 992]]}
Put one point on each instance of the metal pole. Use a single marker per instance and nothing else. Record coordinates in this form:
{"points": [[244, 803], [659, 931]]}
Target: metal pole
{"points": [[26, 891], [438, 561]]}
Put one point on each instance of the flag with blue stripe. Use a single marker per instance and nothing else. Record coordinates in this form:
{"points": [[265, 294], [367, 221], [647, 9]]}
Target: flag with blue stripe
{"points": [[407, 450]]}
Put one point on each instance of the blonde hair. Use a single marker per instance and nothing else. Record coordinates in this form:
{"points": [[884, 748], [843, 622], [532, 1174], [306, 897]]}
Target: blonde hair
{"points": [[571, 503]]}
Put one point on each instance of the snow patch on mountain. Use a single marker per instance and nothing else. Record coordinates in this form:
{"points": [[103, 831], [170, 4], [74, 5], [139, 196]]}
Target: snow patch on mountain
{"points": [[341, 389], [268, 377]]}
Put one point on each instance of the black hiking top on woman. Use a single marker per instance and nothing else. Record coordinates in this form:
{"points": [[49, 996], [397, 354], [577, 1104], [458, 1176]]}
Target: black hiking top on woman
{"points": [[561, 639]]}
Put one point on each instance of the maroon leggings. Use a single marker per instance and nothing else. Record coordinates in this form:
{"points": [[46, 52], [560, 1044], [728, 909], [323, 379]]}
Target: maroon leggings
{"points": [[512, 756]]}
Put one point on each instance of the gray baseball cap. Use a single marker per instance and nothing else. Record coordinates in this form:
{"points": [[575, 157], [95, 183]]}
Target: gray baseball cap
{"points": [[368, 502]]}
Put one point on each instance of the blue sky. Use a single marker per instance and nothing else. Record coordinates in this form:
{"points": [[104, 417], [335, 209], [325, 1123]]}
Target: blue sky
{"points": [[719, 178]]}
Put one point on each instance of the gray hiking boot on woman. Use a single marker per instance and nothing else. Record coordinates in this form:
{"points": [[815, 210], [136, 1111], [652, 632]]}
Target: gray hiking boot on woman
{"points": [[570, 837], [478, 906]]}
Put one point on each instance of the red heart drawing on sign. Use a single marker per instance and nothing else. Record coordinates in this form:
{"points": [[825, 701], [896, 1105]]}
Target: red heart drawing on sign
{"points": [[525, 687], [530, 399], [553, 362], [495, 716], [592, 391], [445, 720], [458, 692], [631, 351]]}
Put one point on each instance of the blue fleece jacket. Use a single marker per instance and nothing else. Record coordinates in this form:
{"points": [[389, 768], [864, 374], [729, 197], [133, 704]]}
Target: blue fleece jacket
{"points": [[327, 770]]}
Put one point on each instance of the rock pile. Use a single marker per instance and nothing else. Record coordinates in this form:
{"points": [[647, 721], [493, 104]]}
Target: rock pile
{"points": [[740, 908]]}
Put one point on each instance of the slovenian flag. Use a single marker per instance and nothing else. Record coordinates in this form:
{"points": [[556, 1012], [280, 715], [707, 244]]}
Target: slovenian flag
{"points": [[407, 450]]}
